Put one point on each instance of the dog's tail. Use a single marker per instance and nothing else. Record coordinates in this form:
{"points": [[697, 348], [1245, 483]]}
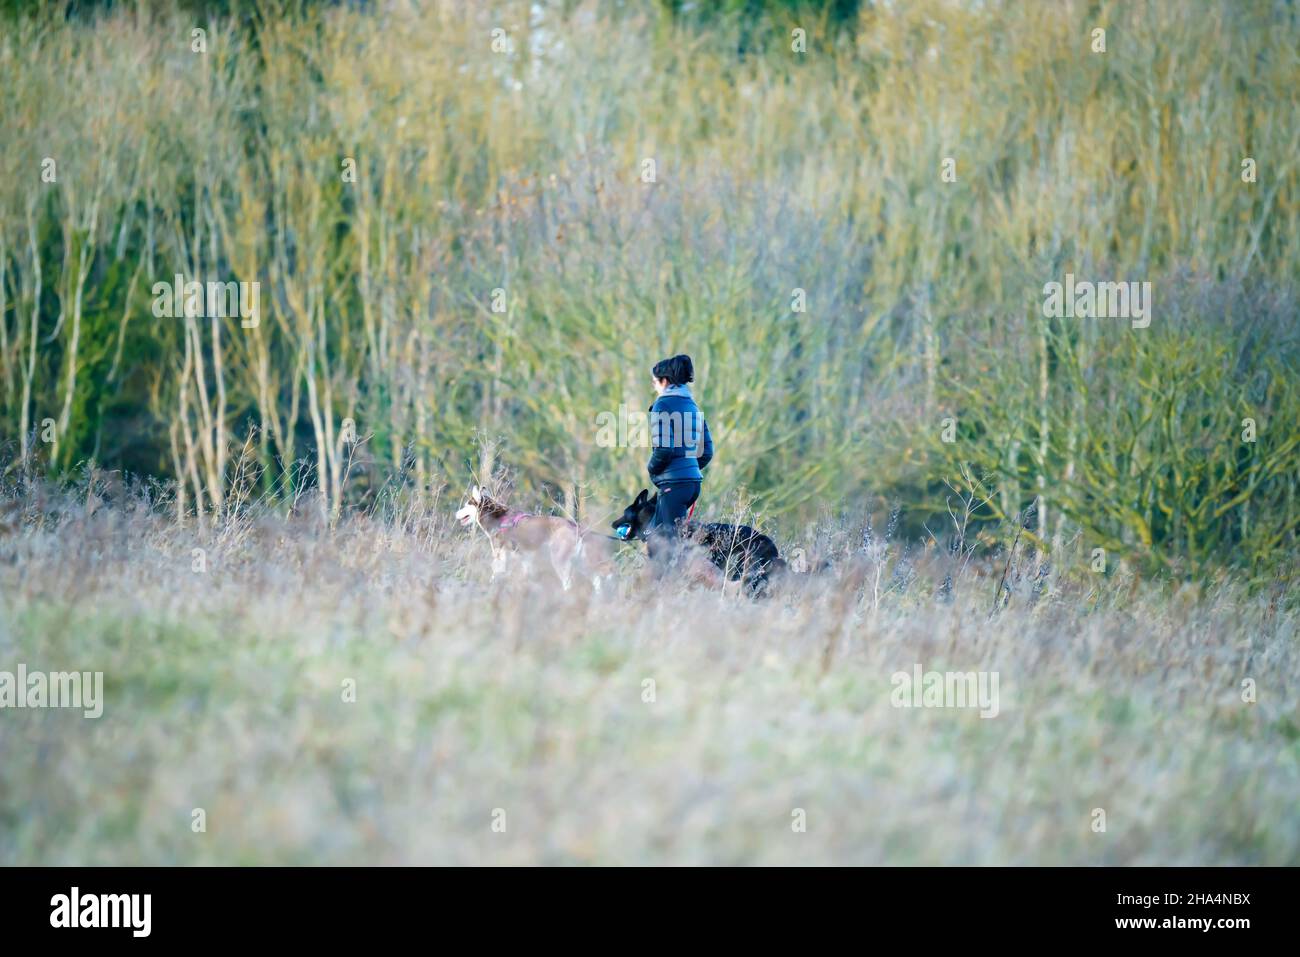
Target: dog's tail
{"points": [[778, 570], [763, 577]]}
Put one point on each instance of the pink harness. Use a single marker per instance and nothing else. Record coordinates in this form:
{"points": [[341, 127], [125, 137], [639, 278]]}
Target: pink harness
{"points": [[514, 518]]}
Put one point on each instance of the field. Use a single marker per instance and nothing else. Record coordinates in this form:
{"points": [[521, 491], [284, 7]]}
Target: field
{"points": [[527, 707], [439, 242]]}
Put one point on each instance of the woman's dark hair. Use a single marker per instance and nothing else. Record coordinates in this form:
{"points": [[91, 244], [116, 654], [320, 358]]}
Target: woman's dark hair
{"points": [[678, 370]]}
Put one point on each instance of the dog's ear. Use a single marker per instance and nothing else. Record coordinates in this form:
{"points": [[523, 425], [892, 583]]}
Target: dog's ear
{"points": [[640, 499], [475, 495]]}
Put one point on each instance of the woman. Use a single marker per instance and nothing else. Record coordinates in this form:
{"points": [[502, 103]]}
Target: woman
{"points": [[681, 442]]}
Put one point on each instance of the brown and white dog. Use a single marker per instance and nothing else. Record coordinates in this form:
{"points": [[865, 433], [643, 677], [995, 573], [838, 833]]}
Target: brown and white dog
{"points": [[518, 539]]}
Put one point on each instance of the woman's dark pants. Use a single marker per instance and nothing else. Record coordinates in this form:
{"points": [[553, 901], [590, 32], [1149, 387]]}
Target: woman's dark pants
{"points": [[675, 501]]}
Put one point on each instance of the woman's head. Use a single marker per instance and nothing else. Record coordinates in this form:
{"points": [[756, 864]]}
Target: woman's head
{"points": [[675, 371]]}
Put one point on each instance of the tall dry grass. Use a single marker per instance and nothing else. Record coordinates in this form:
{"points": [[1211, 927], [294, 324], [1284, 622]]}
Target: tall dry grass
{"points": [[225, 692]]}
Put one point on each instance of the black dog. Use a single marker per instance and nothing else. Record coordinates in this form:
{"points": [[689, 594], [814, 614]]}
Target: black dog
{"points": [[742, 553]]}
